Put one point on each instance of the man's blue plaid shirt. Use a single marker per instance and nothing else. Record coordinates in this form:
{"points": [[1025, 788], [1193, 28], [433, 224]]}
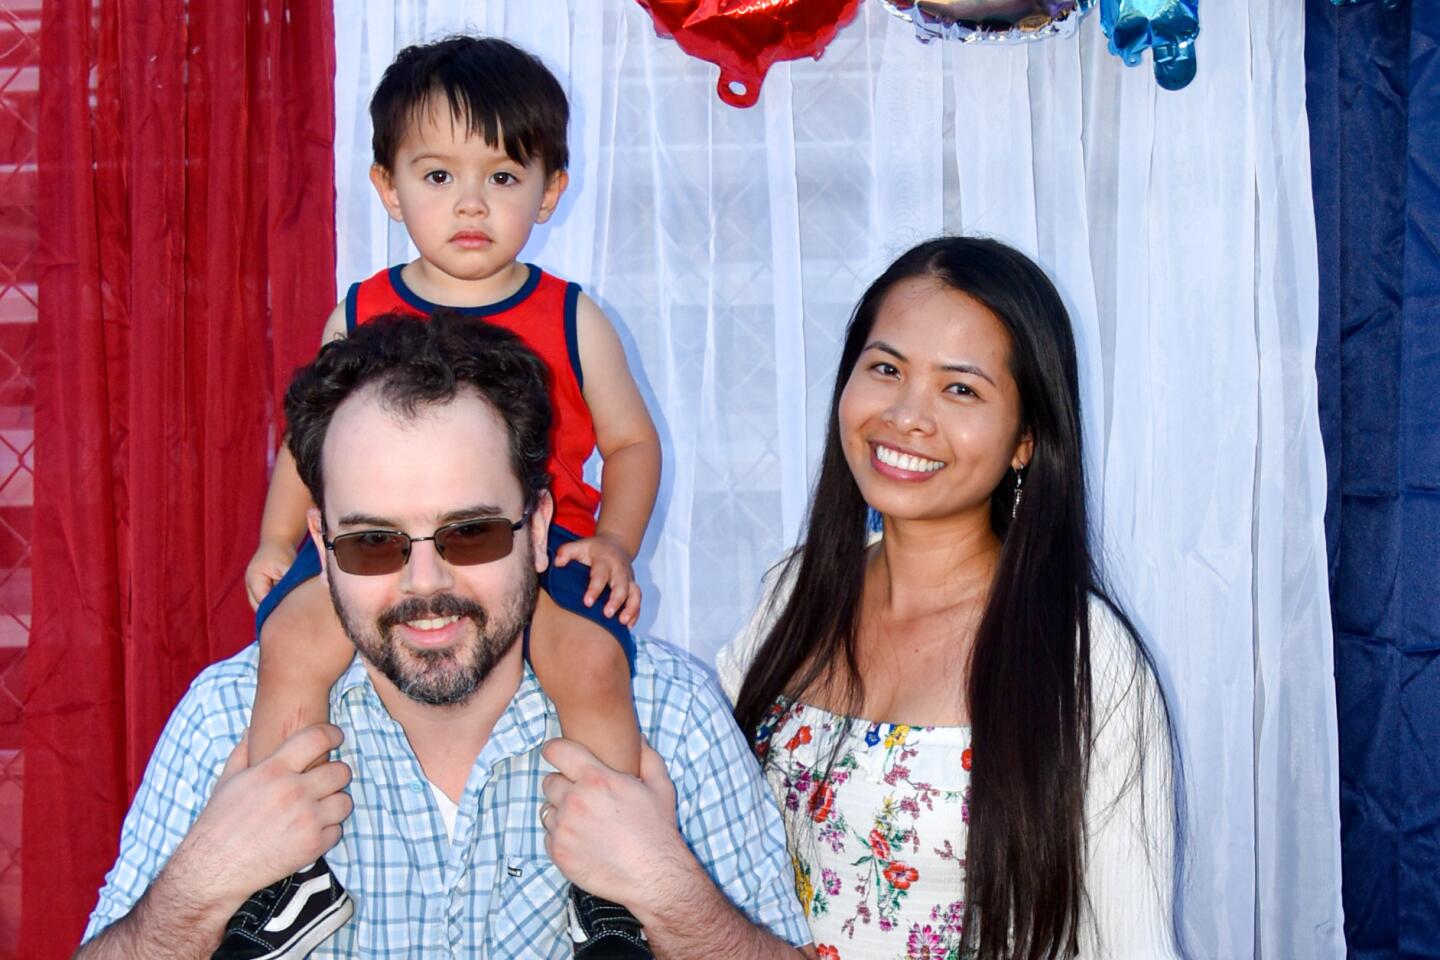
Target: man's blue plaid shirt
{"points": [[491, 891]]}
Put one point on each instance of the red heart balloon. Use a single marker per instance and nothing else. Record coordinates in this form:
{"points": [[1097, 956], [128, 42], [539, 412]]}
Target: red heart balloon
{"points": [[744, 37]]}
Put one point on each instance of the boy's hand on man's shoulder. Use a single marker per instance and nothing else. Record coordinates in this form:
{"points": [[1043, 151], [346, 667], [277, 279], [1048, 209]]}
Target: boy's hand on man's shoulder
{"points": [[610, 566], [266, 568]]}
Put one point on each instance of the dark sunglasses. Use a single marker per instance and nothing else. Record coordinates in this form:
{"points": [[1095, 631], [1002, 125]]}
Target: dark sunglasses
{"points": [[370, 553]]}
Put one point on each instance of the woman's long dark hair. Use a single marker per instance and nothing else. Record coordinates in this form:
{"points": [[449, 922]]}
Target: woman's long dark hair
{"points": [[1029, 690]]}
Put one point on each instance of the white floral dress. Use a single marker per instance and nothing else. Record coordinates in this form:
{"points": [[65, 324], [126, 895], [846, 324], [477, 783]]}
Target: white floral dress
{"points": [[877, 815], [878, 846]]}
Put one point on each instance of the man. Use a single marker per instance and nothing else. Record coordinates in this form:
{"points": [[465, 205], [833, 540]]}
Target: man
{"points": [[424, 446]]}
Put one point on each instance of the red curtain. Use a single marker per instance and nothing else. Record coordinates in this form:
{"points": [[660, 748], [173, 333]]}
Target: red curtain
{"points": [[186, 264]]}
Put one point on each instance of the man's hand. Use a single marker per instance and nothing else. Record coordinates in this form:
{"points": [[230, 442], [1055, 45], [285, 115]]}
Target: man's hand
{"points": [[610, 566], [610, 833], [266, 568], [267, 821], [261, 823], [615, 836]]}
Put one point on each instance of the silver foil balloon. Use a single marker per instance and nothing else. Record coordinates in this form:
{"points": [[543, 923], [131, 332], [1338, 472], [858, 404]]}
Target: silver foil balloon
{"points": [[990, 21]]}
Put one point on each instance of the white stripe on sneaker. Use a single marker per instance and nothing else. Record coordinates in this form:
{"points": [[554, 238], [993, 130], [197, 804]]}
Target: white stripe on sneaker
{"points": [[302, 896], [577, 930]]}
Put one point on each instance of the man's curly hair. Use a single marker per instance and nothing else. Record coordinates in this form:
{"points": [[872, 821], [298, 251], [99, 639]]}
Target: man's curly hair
{"points": [[414, 363]]}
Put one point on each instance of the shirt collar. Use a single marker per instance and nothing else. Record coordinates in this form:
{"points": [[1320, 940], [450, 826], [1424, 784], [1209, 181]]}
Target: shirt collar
{"points": [[354, 676], [523, 726]]}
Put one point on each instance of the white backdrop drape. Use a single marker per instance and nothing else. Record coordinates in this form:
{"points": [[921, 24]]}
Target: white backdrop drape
{"points": [[729, 246]]}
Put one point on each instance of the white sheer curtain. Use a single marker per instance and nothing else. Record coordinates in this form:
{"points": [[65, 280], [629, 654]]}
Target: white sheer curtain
{"points": [[728, 246]]}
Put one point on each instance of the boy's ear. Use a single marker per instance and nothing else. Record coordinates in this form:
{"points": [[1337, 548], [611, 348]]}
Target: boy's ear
{"points": [[554, 188], [384, 185]]}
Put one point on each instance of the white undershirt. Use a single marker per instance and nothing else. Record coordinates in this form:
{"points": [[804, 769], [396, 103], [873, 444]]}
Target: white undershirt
{"points": [[449, 809]]}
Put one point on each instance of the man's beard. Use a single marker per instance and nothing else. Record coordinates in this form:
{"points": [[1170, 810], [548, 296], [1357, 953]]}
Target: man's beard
{"points": [[444, 676]]}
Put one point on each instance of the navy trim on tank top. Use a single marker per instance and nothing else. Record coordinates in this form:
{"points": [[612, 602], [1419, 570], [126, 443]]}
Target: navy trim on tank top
{"points": [[572, 336], [352, 305], [426, 307]]}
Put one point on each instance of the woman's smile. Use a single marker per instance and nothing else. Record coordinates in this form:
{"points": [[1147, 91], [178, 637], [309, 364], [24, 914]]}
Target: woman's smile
{"points": [[897, 463]]}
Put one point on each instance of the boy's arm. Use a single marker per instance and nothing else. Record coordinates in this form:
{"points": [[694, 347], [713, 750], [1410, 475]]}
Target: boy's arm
{"points": [[626, 438], [283, 522], [624, 432], [281, 527], [336, 325]]}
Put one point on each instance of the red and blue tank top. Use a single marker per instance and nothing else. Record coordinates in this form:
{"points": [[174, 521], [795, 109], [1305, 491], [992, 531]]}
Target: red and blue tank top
{"points": [[542, 313]]}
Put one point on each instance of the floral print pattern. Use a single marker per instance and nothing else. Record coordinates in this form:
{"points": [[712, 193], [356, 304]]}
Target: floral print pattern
{"points": [[876, 816]]}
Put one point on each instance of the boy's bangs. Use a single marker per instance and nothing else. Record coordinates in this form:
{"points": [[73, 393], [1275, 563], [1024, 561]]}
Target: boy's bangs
{"points": [[498, 91], [501, 129]]}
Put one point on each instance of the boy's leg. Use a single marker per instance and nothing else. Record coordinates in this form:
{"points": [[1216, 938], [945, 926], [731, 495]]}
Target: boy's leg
{"points": [[586, 674], [303, 651], [583, 661]]}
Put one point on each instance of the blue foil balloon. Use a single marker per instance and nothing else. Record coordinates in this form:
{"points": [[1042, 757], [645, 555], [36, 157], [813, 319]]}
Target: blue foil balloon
{"points": [[1168, 28]]}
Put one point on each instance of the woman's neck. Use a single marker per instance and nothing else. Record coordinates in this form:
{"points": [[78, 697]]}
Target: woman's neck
{"points": [[925, 566]]}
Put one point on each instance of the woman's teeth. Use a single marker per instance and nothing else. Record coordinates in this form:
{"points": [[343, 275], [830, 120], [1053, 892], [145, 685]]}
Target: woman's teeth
{"points": [[904, 461]]}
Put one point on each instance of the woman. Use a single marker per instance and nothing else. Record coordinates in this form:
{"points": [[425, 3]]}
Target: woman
{"points": [[976, 618]]}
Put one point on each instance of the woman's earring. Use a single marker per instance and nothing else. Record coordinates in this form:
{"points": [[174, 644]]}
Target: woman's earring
{"points": [[1019, 483]]}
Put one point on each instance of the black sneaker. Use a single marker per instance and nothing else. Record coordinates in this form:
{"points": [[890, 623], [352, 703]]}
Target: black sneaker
{"points": [[605, 931], [289, 918]]}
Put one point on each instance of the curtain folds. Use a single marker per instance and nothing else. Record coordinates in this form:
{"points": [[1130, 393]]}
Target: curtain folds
{"points": [[729, 246], [1374, 85], [185, 268]]}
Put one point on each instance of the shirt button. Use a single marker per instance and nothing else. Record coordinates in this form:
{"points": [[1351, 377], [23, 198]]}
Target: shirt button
{"points": [[416, 786]]}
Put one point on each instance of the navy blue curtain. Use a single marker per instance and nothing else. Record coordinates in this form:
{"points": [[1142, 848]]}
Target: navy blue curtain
{"points": [[1374, 105]]}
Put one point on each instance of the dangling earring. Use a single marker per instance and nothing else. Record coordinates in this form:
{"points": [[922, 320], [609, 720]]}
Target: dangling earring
{"points": [[1019, 483]]}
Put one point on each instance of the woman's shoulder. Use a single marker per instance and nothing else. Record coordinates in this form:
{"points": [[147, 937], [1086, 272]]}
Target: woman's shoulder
{"points": [[1130, 797], [1120, 668], [1130, 726]]}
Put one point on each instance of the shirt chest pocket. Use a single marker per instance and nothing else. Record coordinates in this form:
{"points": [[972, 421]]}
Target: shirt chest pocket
{"points": [[529, 916]]}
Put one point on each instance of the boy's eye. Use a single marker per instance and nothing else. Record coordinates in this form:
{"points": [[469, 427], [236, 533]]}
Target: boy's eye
{"points": [[438, 177], [503, 178]]}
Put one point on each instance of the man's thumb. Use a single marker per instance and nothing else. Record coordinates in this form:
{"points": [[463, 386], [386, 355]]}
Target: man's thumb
{"points": [[238, 760], [653, 770]]}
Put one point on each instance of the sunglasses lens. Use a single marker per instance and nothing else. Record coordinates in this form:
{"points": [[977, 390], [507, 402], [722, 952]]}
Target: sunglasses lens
{"points": [[476, 541], [370, 553]]}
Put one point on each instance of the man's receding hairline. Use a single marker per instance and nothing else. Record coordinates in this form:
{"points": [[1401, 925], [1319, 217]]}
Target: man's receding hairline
{"points": [[418, 408], [417, 412], [420, 411]]}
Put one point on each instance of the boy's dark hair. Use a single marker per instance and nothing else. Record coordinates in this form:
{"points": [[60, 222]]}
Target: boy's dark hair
{"points": [[415, 363], [496, 89]]}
